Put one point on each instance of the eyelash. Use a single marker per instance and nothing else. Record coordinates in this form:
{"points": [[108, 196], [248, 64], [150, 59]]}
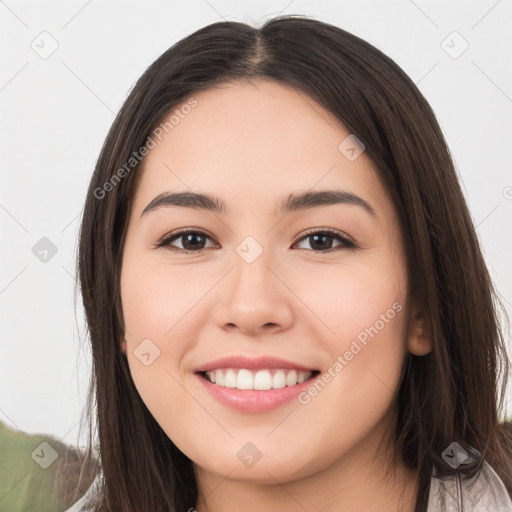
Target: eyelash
{"points": [[332, 233]]}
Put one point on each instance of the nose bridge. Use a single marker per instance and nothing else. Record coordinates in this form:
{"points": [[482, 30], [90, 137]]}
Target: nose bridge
{"points": [[255, 296], [251, 263]]}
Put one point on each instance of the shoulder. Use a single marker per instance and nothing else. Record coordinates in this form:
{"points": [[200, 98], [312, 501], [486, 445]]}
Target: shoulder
{"points": [[483, 493], [84, 503], [39, 471]]}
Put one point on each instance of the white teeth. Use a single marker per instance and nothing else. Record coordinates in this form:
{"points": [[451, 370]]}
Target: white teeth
{"points": [[230, 379], [245, 380], [279, 380], [219, 377], [291, 378], [260, 380]]}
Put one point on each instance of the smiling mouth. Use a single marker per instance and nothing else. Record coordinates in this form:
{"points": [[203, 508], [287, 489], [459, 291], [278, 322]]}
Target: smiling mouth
{"points": [[258, 380]]}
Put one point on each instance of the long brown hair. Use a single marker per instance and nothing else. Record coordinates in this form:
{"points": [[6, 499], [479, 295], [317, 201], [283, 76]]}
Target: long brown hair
{"points": [[454, 393]]}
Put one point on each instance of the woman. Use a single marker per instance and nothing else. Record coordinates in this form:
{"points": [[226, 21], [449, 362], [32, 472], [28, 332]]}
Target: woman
{"points": [[284, 290]]}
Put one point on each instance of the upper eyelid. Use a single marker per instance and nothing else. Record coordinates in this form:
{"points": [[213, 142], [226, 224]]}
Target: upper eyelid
{"points": [[184, 231], [331, 231]]}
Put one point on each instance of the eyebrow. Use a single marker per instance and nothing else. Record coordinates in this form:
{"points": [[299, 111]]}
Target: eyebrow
{"points": [[293, 202]]}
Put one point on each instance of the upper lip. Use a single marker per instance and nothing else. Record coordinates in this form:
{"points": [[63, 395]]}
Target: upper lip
{"points": [[252, 363]]}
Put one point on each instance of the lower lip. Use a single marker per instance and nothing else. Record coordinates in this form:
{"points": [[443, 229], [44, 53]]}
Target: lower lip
{"points": [[249, 400]]}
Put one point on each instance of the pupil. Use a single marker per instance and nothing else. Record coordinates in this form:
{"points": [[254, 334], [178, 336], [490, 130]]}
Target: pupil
{"points": [[190, 238], [320, 246]]}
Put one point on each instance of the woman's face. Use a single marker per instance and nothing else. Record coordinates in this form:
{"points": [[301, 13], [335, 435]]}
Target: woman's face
{"points": [[265, 286]]}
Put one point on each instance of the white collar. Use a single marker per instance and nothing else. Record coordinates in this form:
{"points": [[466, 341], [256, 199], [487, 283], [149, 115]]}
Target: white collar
{"points": [[483, 493]]}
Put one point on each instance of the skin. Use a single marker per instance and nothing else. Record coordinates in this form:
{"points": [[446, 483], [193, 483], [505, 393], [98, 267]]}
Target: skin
{"points": [[252, 144]]}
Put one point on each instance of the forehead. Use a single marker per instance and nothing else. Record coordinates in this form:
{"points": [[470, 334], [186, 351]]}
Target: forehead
{"points": [[250, 142]]}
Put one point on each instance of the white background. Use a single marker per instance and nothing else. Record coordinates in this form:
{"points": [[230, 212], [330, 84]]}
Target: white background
{"points": [[55, 114]]}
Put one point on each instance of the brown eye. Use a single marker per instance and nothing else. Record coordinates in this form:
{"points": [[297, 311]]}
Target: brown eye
{"points": [[322, 240], [191, 241], [195, 241]]}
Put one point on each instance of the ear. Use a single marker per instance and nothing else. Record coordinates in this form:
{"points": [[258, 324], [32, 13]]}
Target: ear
{"points": [[419, 341]]}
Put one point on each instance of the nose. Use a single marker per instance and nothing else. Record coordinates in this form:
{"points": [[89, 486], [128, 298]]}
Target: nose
{"points": [[255, 298]]}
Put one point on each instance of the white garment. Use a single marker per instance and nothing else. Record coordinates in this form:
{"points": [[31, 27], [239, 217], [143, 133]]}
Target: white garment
{"points": [[487, 494], [80, 505]]}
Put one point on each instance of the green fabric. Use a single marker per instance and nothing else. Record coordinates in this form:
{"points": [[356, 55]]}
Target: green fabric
{"points": [[25, 486]]}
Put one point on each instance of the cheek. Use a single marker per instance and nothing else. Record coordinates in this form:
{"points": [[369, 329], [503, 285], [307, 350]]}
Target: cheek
{"points": [[158, 301], [359, 300], [355, 392], [365, 310], [369, 357]]}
